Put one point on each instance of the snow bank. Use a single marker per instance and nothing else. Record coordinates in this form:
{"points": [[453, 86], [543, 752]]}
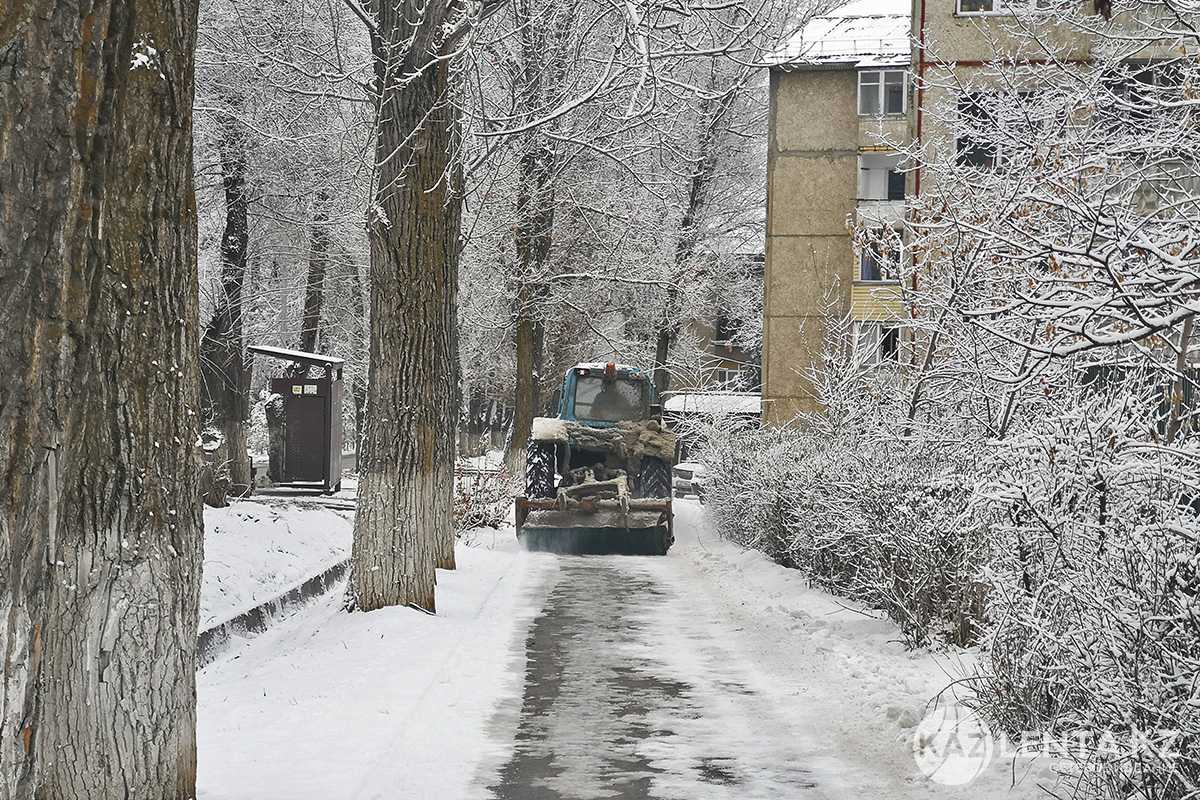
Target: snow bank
{"points": [[714, 403], [253, 552], [391, 704]]}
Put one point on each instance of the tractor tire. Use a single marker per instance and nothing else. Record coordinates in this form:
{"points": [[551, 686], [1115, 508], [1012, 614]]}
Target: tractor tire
{"points": [[540, 462], [654, 478], [664, 541]]}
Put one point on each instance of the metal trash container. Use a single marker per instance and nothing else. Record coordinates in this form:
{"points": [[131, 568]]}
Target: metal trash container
{"points": [[307, 452]]}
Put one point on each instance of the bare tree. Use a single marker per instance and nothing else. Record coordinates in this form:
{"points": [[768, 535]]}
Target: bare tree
{"points": [[404, 525], [543, 29], [224, 367], [318, 263], [100, 527]]}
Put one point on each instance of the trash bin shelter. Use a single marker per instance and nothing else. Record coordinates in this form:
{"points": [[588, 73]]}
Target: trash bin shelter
{"points": [[306, 439]]}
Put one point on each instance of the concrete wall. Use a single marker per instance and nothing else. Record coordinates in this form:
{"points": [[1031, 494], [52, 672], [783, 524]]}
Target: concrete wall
{"points": [[812, 174]]}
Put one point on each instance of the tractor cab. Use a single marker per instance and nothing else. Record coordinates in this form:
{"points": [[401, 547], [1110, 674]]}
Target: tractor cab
{"points": [[602, 395]]}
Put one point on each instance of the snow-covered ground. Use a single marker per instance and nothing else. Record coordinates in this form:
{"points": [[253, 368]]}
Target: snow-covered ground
{"points": [[391, 704], [776, 679], [256, 551]]}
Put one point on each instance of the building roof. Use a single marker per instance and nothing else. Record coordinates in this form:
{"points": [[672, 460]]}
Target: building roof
{"points": [[297, 356], [862, 33], [714, 403]]}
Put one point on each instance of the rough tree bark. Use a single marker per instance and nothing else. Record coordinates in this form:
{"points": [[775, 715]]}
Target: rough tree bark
{"points": [[543, 68], [225, 371], [358, 384], [100, 527], [404, 526]]}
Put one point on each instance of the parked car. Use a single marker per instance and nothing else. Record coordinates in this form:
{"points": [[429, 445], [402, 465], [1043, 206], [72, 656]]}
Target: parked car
{"points": [[689, 478]]}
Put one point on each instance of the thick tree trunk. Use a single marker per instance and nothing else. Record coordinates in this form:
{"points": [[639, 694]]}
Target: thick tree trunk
{"points": [[224, 368], [100, 526], [527, 397], [404, 526], [318, 263]]}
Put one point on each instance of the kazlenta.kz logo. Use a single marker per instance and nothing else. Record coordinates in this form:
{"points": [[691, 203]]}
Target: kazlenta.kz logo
{"points": [[952, 745]]}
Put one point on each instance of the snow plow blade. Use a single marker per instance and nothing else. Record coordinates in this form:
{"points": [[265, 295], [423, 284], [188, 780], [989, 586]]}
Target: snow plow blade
{"points": [[595, 526]]}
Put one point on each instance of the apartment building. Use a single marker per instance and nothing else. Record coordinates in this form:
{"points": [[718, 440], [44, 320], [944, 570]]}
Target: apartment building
{"points": [[854, 87], [840, 101]]}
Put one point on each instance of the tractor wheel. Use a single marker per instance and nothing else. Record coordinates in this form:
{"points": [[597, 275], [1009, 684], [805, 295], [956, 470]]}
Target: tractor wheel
{"points": [[665, 540], [654, 478], [540, 463]]}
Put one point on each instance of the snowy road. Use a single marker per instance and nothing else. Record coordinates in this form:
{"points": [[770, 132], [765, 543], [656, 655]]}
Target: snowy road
{"points": [[710, 673], [631, 692]]}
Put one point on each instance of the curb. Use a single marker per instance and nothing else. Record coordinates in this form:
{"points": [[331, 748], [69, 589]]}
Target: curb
{"points": [[216, 639]]}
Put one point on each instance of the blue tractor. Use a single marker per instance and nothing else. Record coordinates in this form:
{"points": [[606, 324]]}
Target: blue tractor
{"points": [[598, 475]]}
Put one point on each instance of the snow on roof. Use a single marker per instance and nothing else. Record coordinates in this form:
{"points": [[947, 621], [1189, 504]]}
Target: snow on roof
{"points": [[714, 403], [603, 364], [862, 33], [296, 355]]}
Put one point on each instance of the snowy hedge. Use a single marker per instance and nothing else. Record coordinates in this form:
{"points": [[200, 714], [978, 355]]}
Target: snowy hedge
{"points": [[1069, 552], [885, 524]]}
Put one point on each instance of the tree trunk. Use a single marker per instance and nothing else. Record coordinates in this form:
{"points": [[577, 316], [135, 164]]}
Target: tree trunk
{"points": [[527, 400], [318, 262], [358, 386], [1179, 385], [224, 368], [100, 525], [712, 115], [404, 526], [544, 36]]}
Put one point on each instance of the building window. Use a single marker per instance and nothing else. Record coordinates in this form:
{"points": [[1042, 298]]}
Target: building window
{"points": [[968, 7], [724, 329], [1142, 91], [881, 91], [879, 255], [984, 116], [877, 342], [727, 378], [880, 176], [976, 145]]}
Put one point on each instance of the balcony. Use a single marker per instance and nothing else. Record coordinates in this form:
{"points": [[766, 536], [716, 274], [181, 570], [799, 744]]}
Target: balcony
{"points": [[878, 301], [881, 189]]}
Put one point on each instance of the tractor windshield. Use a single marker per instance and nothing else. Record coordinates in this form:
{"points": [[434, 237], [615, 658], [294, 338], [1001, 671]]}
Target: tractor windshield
{"points": [[616, 400]]}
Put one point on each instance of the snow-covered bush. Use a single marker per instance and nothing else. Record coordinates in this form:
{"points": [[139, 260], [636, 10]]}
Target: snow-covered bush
{"points": [[878, 521], [482, 498], [1094, 615]]}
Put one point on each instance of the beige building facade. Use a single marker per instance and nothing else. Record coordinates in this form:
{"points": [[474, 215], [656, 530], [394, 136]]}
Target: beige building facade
{"points": [[855, 87], [839, 112]]}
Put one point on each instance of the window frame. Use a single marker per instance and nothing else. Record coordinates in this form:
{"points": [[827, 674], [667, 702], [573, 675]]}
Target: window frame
{"points": [[727, 377], [1002, 7], [967, 143], [881, 93], [998, 8], [881, 329]]}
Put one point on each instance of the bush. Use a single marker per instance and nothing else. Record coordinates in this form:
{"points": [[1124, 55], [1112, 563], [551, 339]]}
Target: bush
{"points": [[1095, 622], [1069, 552], [881, 522]]}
